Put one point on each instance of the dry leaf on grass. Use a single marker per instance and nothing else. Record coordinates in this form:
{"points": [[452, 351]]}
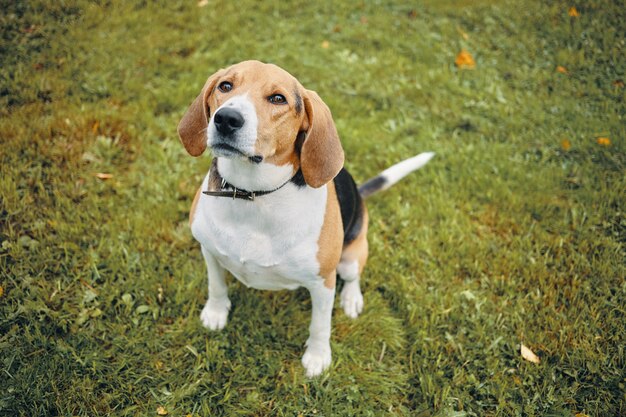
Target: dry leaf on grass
{"points": [[465, 60], [104, 176], [529, 355], [161, 411], [561, 69], [566, 144], [573, 12]]}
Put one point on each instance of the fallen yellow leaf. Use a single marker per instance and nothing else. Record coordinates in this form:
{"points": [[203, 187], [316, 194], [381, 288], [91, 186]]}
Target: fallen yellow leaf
{"points": [[618, 83], [561, 69], [203, 3], [1, 290], [161, 411], [325, 44], [464, 60], [566, 144], [604, 141], [104, 176], [581, 415], [573, 12], [529, 355]]}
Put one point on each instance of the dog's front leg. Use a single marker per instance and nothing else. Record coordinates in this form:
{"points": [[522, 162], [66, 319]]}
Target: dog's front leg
{"points": [[215, 312], [317, 356]]}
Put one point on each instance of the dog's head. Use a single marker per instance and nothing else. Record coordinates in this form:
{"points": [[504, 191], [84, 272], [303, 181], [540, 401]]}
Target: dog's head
{"points": [[259, 113]]}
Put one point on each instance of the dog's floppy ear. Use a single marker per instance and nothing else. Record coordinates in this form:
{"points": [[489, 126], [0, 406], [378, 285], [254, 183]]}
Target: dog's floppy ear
{"points": [[321, 156], [192, 127]]}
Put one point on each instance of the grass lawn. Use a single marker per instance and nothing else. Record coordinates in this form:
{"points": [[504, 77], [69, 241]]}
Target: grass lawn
{"points": [[513, 234]]}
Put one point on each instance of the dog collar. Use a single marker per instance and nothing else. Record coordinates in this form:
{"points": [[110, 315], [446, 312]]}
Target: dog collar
{"points": [[228, 190]]}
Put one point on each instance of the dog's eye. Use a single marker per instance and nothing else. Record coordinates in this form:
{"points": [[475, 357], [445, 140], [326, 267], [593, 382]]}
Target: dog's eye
{"points": [[277, 99], [225, 86]]}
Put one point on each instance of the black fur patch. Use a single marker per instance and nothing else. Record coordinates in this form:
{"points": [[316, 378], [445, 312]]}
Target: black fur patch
{"points": [[371, 186], [351, 205], [299, 142], [298, 179], [298, 102]]}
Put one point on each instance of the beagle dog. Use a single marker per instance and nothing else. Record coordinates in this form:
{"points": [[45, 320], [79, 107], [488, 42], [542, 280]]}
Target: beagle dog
{"points": [[277, 209]]}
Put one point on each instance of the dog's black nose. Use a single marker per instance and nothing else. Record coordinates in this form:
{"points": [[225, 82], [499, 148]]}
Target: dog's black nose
{"points": [[228, 120]]}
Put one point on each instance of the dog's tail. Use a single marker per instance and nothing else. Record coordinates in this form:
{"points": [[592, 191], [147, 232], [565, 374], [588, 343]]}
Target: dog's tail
{"points": [[393, 174]]}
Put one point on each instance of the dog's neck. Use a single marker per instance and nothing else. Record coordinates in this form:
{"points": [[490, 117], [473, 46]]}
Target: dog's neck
{"points": [[245, 175]]}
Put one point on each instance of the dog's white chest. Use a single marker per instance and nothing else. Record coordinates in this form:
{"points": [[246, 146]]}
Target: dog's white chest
{"points": [[271, 243]]}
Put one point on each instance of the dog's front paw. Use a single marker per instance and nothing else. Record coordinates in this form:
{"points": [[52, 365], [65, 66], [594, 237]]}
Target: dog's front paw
{"points": [[352, 299], [316, 359], [215, 314]]}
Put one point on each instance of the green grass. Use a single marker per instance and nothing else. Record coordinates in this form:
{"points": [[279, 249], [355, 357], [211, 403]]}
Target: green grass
{"points": [[504, 238]]}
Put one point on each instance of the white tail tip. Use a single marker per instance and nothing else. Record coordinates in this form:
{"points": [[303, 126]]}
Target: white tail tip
{"points": [[396, 172]]}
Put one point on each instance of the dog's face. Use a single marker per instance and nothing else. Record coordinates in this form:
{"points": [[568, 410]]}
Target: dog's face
{"points": [[260, 113]]}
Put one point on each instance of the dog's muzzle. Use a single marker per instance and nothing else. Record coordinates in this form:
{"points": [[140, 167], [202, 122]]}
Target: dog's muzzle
{"points": [[234, 131]]}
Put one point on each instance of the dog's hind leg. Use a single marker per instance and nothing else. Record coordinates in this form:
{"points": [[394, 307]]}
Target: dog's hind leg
{"points": [[353, 258], [215, 312]]}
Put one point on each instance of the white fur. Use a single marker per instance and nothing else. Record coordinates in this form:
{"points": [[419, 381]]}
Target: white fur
{"points": [[245, 138], [351, 297], [348, 270], [396, 172], [317, 355], [260, 177], [269, 243], [215, 312]]}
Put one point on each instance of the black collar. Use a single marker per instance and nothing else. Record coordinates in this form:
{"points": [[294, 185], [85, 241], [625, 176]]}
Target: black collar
{"points": [[218, 187]]}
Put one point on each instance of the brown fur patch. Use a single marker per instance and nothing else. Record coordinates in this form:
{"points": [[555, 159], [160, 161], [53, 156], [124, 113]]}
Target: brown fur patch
{"points": [[331, 239], [192, 127], [321, 157], [357, 250], [331, 280], [194, 204]]}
